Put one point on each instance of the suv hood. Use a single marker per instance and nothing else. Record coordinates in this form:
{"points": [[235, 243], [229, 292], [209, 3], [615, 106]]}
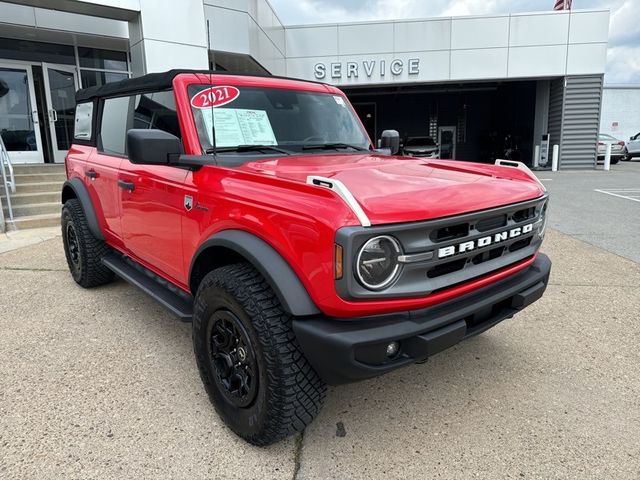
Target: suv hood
{"points": [[397, 189]]}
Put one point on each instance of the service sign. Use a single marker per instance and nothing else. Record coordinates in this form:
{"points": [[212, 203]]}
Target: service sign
{"points": [[215, 96]]}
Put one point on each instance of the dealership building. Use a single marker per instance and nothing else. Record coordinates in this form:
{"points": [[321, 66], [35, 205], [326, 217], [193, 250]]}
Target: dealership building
{"points": [[478, 85]]}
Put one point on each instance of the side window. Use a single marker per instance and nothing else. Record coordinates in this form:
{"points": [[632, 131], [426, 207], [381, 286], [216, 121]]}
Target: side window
{"points": [[83, 121], [157, 110], [149, 110], [114, 125]]}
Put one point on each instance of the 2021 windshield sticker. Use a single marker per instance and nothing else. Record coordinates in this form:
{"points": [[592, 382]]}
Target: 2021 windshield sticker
{"points": [[215, 96]]}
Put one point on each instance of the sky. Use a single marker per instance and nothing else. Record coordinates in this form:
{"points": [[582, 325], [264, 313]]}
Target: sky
{"points": [[623, 56]]}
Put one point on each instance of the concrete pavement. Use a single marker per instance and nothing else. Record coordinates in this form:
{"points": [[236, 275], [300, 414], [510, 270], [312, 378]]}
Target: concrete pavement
{"points": [[102, 384]]}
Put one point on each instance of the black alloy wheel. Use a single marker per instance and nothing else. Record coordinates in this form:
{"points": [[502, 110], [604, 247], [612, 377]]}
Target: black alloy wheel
{"points": [[233, 358]]}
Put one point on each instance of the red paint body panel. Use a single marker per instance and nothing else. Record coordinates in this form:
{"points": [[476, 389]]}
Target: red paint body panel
{"points": [[397, 189], [271, 199]]}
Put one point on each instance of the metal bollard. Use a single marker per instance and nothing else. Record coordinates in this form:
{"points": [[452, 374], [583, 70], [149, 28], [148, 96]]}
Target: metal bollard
{"points": [[554, 159], [607, 157]]}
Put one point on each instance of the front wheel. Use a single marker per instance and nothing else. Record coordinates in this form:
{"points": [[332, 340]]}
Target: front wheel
{"points": [[249, 359]]}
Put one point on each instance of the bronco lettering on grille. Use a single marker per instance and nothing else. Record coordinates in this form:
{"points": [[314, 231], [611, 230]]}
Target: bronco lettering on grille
{"points": [[484, 241]]}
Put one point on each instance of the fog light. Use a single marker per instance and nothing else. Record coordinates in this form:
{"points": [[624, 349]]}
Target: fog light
{"points": [[392, 349]]}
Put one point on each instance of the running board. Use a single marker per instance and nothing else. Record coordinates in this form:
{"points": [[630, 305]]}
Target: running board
{"points": [[151, 284]]}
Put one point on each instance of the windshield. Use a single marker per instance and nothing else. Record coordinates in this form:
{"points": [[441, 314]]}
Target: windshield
{"points": [[294, 121], [607, 138], [420, 142]]}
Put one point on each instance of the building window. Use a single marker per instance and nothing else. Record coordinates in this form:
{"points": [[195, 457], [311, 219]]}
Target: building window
{"points": [[92, 78], [102, 59], [30, 51], [99, 67]]}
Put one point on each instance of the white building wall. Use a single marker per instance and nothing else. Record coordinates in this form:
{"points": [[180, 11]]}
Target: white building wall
{"points": [[620, 106], [247, 27], [168, 34], [513, 46]]}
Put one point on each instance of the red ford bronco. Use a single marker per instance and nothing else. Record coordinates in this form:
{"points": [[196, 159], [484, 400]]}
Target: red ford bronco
{"points": [[258, 208]]}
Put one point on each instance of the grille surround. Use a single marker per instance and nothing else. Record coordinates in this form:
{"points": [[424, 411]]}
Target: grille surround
{"points": [[421, 237]]}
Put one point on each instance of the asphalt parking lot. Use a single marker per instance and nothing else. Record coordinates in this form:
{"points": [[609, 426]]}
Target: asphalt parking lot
{"points": [[103, 384], [601, 208]]}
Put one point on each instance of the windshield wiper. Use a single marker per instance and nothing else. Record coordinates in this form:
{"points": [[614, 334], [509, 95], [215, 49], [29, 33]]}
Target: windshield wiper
{"points": [[246, 148], [332, 146]]}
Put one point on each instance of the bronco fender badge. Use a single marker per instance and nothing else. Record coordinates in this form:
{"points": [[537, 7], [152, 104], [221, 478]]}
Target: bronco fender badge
{"points": [[188, 202]]}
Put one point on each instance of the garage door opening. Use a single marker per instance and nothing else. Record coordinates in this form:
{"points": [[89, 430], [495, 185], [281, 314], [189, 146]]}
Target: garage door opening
{"points": [[474, 122]]}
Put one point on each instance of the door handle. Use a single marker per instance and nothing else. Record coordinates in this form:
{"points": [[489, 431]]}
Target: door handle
{"points": [[53, 115], [92, 174], [126, 185]]}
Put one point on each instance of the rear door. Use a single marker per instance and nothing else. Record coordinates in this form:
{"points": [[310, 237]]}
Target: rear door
{"points": [[101, 169], [152, 196]]}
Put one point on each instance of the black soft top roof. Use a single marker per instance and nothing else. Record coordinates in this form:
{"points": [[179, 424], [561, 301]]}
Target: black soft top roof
{"points": [[151, 82]]}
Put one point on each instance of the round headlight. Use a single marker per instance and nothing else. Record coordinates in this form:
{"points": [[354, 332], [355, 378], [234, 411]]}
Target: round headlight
{"points": [[377, 263]]}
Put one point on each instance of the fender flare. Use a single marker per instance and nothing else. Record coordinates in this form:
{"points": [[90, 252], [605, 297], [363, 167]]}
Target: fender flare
{"points": [[82, 194], [285, 282]]}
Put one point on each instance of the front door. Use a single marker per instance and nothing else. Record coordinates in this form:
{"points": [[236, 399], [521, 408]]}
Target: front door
{"points": [[447, 142], [19, 126], [61, 83], [153, 203]]}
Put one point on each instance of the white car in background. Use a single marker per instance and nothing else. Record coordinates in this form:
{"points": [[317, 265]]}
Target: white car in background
{"points": [[632, 148], [617, 147]]}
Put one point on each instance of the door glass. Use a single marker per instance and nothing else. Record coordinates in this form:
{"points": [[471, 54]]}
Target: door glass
{"points": [[16, 121], [63, 102]]}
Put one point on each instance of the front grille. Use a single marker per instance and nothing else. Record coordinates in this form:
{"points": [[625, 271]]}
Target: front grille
{"points": [[462, 248], [487, 224], [450, 232]]}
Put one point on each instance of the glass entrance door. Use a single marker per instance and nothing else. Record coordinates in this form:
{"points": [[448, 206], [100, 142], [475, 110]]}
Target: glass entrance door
{"points": [[61, 83], [18, 115]]}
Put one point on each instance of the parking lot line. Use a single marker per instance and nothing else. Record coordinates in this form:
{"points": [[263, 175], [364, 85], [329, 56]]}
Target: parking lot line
{"points": [[619, 193]]}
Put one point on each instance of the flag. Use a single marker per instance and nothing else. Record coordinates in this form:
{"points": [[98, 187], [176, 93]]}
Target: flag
{"points": [[562, 5]]}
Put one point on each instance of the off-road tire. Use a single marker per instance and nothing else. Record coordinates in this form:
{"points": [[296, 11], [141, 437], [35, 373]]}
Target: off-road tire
{"points": [[289, 391], [89, 271]]}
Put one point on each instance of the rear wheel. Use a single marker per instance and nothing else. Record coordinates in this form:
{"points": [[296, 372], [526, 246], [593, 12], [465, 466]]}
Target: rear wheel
{"points": [[84, 252], [249, 358]]}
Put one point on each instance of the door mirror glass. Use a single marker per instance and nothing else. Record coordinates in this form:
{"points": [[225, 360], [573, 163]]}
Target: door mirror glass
{"points": [[390, 139], [152, 147]]}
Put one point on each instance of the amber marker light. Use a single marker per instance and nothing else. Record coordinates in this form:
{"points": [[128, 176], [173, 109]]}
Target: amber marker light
{"points": [[337, 270]]}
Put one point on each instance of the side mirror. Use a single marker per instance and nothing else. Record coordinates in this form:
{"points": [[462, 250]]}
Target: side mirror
{"points": [[390, 139], [152, 147]]}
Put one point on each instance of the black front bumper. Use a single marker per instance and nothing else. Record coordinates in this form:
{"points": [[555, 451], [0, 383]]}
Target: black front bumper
{"points": [[344, 351]]}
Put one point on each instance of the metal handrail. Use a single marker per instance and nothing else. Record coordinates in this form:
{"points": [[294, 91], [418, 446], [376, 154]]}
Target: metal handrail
{"points": [[10, 184]]}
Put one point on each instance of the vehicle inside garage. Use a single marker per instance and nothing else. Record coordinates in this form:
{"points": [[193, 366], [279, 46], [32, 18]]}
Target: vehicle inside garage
{"points": [[470, 121]]}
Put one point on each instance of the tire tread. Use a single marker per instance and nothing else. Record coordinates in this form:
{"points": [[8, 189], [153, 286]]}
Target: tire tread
{"points": [[93, 273], [295, 391]]}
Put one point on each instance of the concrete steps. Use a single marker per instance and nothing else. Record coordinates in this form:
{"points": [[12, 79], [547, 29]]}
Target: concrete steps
{"points": [[36, 201], [37, 221]]}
